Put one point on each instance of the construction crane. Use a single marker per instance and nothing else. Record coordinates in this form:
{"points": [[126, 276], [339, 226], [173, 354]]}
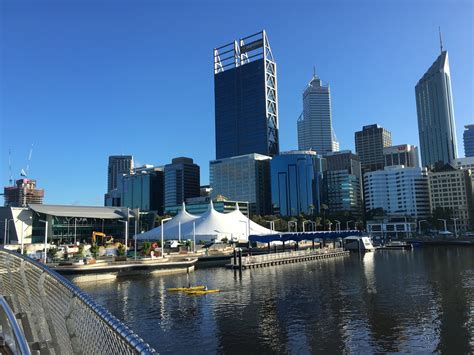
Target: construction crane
{"points": [[10, 181], [24, 172]]}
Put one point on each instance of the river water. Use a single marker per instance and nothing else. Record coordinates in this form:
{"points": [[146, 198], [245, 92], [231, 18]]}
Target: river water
{"points": [[386, 301]]}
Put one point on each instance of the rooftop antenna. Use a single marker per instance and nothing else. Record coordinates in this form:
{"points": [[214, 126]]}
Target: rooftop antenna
{"points": [[440, 39], [10, 166], [314, 70]]}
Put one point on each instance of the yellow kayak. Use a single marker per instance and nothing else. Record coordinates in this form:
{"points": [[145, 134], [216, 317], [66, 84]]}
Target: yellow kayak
{"points": [[186, 289], [201, 292]]}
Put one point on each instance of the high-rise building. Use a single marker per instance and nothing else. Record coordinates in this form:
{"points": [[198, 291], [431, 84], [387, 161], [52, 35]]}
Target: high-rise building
{"points": [[118, 166], [434, 104], [398, 191], [246, 100], [315, 130], [24, 193], [466, 163], [468, 137], [297, 182], [403, 154], [243, 178], [369, 144], [343, 183], [451, 188], [144, 189], [182, 181]]}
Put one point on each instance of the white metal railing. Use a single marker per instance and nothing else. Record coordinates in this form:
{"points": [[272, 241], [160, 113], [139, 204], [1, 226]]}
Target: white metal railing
{"points": [[56, 316], [13, 336]]}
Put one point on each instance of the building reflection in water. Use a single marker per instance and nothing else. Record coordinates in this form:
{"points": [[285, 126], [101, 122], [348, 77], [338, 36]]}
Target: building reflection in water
{"points": [[391, 301]]}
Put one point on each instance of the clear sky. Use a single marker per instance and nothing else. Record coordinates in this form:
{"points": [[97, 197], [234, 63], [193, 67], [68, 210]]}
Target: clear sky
{"points": [[82, 80]]}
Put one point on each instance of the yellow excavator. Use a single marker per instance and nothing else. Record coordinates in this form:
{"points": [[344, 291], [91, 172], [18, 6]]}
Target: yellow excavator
{"points": [[108, 238]]}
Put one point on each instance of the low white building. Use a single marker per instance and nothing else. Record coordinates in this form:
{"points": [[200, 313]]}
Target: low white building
{"points": [[399, 190]]}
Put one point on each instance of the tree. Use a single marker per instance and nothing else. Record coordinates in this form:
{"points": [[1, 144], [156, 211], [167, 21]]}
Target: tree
{"points": [[95, 250], [120, 249]]}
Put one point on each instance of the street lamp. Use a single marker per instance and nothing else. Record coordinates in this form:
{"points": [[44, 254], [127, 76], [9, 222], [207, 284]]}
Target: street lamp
{"points": [[313, 223], [163, 237], [126, 235], [304, 222], [440, 219], [338, 225], [289, 225], [347, 224], [455, 227], [419, 224], [45, 238], [194, 237], [330, 224], [7, 231]]}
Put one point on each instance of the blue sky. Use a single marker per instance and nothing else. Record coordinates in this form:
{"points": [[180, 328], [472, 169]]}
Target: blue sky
{"points": [[82, 80]]}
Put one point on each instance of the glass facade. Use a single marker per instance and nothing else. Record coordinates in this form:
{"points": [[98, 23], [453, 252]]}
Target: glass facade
{"points": [[144, 189], [343, 183], [246, 103], [182, 181], [468, 137], [243, 178], [435, 112], [315, 130], [296, 183]]}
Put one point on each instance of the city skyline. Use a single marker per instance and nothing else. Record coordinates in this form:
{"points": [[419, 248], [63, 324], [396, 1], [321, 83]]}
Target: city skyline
{"points": [[61, 155]]}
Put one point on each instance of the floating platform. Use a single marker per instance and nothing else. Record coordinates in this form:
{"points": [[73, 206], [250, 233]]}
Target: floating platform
{"points": [[258, 261], [112, 270]]}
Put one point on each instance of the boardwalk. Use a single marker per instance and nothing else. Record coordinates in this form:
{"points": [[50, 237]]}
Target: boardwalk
{"points": [[257, 261]]}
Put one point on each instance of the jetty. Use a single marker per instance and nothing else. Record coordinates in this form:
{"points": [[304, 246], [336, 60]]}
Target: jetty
{"points": [[240, 262]]}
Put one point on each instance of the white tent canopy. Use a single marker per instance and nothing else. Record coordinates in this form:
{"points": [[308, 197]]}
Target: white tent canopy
{"points": [[211, 225]]}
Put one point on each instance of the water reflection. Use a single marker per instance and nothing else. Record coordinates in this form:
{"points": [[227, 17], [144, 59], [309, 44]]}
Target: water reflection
{"points": [[396, 301]]}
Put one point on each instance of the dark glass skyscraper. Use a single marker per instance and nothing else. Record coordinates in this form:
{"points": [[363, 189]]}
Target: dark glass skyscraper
{"points": [[434, 104], [182, 180], [468, 137], [246, 103]]}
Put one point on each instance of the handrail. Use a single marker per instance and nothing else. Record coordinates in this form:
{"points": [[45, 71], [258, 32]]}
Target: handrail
{"points": [[18, 335], [77, 298]]}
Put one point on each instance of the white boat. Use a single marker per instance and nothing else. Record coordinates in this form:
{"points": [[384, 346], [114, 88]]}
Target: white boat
{"points": [[358, 243]]}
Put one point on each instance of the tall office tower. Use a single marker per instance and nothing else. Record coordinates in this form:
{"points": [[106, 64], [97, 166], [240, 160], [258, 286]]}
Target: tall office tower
{"points": [[343, 183], [118, 166], [182, 181], [144, 189], [243, 178], [24, 193], [403, 154], [434, 104], [398, 191], [246, 100], [297, 182], [468, 137], [315, 130], [369, 144]]}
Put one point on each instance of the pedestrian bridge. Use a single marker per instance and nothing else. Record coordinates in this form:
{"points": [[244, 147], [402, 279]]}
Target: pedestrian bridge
{"points": [[43, 313]]}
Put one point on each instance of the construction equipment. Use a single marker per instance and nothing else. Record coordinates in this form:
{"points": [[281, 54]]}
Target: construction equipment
{"points": [[102, 235]]}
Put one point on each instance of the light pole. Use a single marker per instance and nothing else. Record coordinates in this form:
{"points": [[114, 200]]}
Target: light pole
{"points": [[194, 237], [330, 224], [455, 227], [304, 222], [163, 237], [272, 224], [347, 225], [419, 224], [313, 223], [126, 235], [444, 221], [338, 225], [75, 234], [45, 238]]}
